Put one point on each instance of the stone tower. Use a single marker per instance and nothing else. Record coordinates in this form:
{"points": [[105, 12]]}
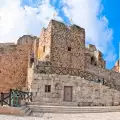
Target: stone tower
{"points": [[62, 46]]}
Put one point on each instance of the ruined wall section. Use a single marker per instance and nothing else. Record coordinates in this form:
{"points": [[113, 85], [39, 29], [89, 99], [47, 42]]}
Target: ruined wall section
{"points": [[67, 45], [94, 57]]}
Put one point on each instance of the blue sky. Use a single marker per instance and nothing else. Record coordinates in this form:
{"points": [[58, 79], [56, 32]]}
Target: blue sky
{"points": [[111, 10], [100, 18]]}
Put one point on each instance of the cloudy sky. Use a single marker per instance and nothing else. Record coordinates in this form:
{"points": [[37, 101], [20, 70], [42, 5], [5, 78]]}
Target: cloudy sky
{"points": [[100, 18]]}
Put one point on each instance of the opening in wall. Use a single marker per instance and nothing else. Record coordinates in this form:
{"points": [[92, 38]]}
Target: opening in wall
{"points": [[69, 48], [93, 61], [43, 48], [47, 88]]}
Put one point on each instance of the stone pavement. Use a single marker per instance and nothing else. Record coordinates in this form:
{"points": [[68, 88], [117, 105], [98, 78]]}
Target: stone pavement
{"points": [[51, 116]]}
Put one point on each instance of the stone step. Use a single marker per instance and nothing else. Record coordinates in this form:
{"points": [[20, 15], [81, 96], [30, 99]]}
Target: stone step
{"points": [[54, 104], [26, 110], [69, 109]]}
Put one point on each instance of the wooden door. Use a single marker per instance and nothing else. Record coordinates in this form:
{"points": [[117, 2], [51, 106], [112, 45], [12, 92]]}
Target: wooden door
{"points": [[68, 93]]}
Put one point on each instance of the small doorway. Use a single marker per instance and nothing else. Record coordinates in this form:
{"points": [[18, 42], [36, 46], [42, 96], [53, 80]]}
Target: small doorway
{"points": [[68, 93]]}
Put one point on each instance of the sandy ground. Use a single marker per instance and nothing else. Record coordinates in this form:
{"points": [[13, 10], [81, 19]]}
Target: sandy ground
{"points": [[51, 116]]}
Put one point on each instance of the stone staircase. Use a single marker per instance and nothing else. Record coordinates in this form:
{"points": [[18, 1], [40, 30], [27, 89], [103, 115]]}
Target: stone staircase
{"points": [[39, 109]]}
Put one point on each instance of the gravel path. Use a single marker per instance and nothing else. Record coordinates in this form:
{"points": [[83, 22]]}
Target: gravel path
{"points": [[50, 116]]}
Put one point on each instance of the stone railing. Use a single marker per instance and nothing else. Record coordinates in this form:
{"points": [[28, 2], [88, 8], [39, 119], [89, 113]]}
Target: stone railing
{"points": [[91, 73]]}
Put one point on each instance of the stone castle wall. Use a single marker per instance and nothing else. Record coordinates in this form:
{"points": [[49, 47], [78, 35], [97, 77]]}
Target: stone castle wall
{"points": [[61, 46], [13, 68], [14, 62], [83, 91], [67, 46], [57, 38], [64, 47]]}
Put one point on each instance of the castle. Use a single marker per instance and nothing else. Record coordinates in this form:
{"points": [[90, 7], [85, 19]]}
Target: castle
{"points": [[62, 70]]}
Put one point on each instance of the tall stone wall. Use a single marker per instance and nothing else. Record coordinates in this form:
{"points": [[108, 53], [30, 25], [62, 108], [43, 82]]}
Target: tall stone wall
{"points": [[64, 46], [67, 45], [14, 62], [13, 67]]}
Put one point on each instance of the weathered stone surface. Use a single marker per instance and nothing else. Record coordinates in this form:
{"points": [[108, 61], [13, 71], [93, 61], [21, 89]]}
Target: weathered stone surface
{"points": [[64, 47], [84, 92]]}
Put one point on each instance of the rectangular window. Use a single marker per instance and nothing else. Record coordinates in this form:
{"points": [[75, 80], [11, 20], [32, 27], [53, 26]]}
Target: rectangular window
{"points": [[69, 48], [47, 88], [43, 48]]}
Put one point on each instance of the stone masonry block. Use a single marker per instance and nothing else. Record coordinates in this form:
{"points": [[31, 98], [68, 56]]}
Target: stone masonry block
{"points": [[35, 86]]}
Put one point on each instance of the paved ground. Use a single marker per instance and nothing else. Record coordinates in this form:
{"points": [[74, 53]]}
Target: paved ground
{"points": [[49, 116]]}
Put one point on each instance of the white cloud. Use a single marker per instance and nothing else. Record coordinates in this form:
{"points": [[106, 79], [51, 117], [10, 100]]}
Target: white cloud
{"points": [[111, 56], [88, 14], [16, 20]]}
